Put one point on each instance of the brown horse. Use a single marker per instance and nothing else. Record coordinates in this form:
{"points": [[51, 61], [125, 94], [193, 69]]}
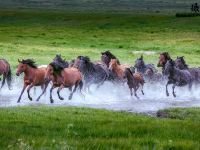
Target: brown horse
{"points": [[134, 81], [6, 72], [117, 69], [63, 78], [33, 76], [163, 58]]}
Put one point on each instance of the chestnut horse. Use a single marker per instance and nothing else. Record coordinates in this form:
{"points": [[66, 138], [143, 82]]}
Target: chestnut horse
{"points": [[134, 81], [63, 78], [6, 72], [117, 69], [33, 76]]}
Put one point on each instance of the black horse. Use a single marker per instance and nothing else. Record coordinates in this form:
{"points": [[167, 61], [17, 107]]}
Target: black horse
{"points": [[176, 76], [195, 72], [92, 73], [60, 61]]}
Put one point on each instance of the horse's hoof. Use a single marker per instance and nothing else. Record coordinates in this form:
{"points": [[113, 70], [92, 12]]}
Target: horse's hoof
{"points": [[174, 95], [167, 94], [70, 97], [30, 99], [18, 101], [51, 101], [61, 98]]}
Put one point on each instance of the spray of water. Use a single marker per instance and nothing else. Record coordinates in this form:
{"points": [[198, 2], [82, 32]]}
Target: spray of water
{"points": [[108, 96]]}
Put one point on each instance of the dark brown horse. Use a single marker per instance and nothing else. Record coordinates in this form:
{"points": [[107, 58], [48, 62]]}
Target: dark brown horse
{"points": [[63, 78], [163, 58], [134, 81], [6, 72], [33, 76]]}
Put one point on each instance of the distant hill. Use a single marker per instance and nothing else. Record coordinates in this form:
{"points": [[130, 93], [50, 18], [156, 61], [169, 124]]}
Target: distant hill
{"points": [[101, 5]]}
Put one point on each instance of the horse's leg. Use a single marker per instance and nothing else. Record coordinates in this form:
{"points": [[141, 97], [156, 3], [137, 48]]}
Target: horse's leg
{"points": [[4, 79], [74, 90], [51, 90], [131, 91], [142, 89], [25, 85], [135, 93], [28, 91], [173, 87], [44, 91], [167, 93], [58, 92]]}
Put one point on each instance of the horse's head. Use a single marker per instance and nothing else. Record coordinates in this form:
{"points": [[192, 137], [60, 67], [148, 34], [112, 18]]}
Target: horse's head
{"points": [[49, 72], [180, 63], [82, 62], [163, 58], [149, 72], [24, 64], [139, 63], [105, 58], [169, 66], [112, 64], [60, 60]]}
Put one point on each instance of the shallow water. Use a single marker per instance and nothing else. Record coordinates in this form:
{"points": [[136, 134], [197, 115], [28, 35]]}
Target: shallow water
{"points": [[108, 96]]}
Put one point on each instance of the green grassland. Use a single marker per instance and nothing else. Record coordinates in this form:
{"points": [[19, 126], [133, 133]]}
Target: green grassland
{"points": [[41, 35], [83, 128]]}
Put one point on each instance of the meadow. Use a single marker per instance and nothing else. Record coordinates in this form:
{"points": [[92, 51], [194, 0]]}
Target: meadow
{"points": [[43, 34]]}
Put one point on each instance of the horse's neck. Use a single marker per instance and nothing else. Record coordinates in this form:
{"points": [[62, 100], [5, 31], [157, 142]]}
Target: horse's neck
{"points": [[30, 72], [89, 69], [118, 70]]}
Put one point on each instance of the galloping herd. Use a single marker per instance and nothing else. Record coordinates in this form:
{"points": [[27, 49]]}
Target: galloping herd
{"points": [[82, 72]]}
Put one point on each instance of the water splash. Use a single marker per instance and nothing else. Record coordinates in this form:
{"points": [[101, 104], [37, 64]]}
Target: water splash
{"points": [[108, 96]]}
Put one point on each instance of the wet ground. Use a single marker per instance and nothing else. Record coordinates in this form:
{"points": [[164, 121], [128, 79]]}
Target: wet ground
{"points": [[108, 96]]}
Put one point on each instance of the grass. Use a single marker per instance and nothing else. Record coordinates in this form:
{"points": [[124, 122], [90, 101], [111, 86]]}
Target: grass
{"points": [[41, 35], [83, 128]]}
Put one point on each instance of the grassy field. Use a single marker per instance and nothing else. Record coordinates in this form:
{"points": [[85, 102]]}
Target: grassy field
{"points": [[41, 35], [83, 128]]}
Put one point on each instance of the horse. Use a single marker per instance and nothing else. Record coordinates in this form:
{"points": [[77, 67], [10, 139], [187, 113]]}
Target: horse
{"points": [[107, 56], [134, 81], [33, 76], [152, 76], [58, 59], [142, 67], [63, 78], [176, 76], [163, 58], [117, 69], [195, 72], [93, 73], [5, 70]]}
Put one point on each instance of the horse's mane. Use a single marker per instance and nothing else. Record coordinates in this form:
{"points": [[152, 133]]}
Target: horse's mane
{"points": [[85, 58], [29, 62], [110, 55], [59, 59], [129, 70], [166, 55], [90, 67], [183, 61], [57, 67]]}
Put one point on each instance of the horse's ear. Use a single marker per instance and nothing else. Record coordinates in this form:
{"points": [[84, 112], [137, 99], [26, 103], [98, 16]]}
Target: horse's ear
{"points": [[177, 57], [19, 61], [141, 57]]}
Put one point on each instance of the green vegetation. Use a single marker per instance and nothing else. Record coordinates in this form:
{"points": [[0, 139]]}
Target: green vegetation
{"points": [[41, 35], [83, 128]]}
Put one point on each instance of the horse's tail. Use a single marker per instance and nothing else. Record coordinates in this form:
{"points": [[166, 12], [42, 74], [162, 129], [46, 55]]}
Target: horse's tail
{"points": [[9, 76]]}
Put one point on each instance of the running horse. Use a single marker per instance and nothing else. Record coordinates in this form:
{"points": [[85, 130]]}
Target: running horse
{"points": [[118, 69], [33, 76], [63, 78], [134, 81], [5, 70], [176, 77], [107, 56]]}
